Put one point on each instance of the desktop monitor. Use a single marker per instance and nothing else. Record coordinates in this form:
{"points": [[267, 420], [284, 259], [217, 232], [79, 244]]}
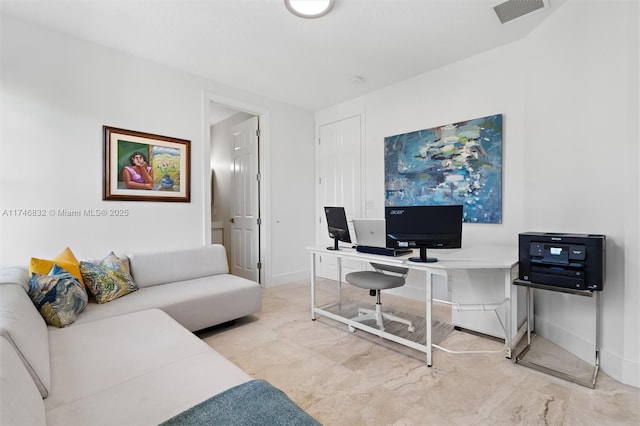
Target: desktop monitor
{"points": [[338, 226], [424, 227]]}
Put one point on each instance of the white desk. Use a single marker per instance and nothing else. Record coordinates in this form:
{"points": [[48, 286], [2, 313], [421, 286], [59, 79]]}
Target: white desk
{"points": [[502, 258]]}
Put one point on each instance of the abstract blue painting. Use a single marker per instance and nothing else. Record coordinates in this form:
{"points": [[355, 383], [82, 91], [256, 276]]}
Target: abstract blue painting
{"points": [[459, 163]]}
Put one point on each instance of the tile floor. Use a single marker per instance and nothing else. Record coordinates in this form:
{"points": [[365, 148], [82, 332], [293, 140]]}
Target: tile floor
{"points": [[357, 379]]}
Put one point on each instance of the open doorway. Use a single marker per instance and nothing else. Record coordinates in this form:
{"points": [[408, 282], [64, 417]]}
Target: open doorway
{"points": [[235, 187]]}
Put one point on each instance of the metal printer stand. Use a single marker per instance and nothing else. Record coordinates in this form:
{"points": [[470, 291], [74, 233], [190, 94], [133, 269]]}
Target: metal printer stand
{"points": [[522, 358]]}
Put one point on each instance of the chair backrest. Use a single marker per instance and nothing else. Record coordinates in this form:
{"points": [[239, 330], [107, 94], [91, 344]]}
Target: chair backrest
{"points": [[389, 269]]}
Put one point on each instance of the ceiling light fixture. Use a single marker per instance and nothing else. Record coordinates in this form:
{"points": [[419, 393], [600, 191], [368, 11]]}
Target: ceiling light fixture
{"points": [[309, 8]]}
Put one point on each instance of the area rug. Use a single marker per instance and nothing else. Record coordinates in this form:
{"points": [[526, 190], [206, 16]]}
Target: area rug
{"points": [[256, 402]]}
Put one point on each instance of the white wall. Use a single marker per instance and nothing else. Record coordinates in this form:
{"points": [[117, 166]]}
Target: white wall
{"points": [[469, 89], [569, 124], [58, 92], [582, 166]]}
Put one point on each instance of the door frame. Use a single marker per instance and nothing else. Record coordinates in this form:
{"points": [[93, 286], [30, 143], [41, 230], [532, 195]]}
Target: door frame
{"points": [[263, 154]]}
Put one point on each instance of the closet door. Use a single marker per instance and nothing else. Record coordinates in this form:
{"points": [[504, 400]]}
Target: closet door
{"points": [[338, 168], [245, 215]]}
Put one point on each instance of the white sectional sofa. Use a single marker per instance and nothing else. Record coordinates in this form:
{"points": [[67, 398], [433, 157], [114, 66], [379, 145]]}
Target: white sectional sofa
{"points": [[193, 286], [132, 360]]}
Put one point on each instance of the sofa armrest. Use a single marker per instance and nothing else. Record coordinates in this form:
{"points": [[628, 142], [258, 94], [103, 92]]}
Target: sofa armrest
{"points": [[14, 275], [20, 401]]}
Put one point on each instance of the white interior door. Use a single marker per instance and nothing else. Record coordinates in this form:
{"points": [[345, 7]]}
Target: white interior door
{"points": [[245, 215], [339, 182]]}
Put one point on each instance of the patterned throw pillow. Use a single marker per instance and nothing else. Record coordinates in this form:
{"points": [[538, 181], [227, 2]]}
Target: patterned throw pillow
{"points": [[59, 296], [124, 259], [108, 280]]}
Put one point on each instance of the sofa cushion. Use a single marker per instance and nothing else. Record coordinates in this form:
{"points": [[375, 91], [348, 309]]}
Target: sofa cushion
{"points": [[58, 296], [20, 400], [149, 269], [196, 304], [139, 368], [108, 280], [24, 328], [66, 259]]}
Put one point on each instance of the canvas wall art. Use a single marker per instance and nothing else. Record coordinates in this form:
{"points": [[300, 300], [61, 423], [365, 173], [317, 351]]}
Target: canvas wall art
{"points": [[458, 163]]}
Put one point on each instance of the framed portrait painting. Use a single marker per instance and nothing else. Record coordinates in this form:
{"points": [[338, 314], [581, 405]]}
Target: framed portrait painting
{"points": [[145, 167]]}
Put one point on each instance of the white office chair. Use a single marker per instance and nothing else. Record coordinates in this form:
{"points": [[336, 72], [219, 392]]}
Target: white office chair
{"points": [[384, 277]]}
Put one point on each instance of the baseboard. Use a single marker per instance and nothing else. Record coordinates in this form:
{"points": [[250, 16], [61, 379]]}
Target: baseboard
{"points": [[630, 373], [578, 346], [623, 370], [408, 292], [415, 288], [288, 278]]}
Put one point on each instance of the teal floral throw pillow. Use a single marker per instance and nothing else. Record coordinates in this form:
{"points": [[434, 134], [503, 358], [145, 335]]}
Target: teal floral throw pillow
{"points": [[107, 280], [58, 296]]}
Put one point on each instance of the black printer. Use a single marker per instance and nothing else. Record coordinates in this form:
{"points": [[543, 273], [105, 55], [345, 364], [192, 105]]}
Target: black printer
{"points": [[574, 261]]}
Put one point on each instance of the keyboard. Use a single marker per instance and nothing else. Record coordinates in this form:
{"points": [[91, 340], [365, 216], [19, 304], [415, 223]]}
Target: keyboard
{"points": [[383, 250]]}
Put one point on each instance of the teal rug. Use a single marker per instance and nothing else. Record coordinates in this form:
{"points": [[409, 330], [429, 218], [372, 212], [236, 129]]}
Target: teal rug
{"points": [[256, 402]]}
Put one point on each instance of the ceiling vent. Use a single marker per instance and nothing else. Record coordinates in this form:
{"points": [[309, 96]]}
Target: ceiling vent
{"points": [[513, 9]]}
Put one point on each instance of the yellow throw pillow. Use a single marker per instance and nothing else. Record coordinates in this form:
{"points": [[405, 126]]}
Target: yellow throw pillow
{"points": [[66, 260]]}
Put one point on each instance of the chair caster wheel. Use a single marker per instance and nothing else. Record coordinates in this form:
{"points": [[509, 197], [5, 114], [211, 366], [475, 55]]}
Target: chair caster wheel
{"points": [[411, 329], [352, 329]]}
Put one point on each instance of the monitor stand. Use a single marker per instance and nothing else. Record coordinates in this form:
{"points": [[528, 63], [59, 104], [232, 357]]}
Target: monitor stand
{"points": [[423, 257], [335, 245]]}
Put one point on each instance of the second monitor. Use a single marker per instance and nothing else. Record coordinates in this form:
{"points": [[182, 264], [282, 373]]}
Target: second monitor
{"points": [[424, 227], [337, 225]]}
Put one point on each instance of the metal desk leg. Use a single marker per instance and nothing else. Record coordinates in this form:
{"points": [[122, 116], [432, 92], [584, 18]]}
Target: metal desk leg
{"points": [[598, 331], [508, 311], [427, 319], [528, 300], [313, 286], [339, 260]]}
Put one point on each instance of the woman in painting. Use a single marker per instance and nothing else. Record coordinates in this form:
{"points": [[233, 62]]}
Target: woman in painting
{"points": [[138, 175]]}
